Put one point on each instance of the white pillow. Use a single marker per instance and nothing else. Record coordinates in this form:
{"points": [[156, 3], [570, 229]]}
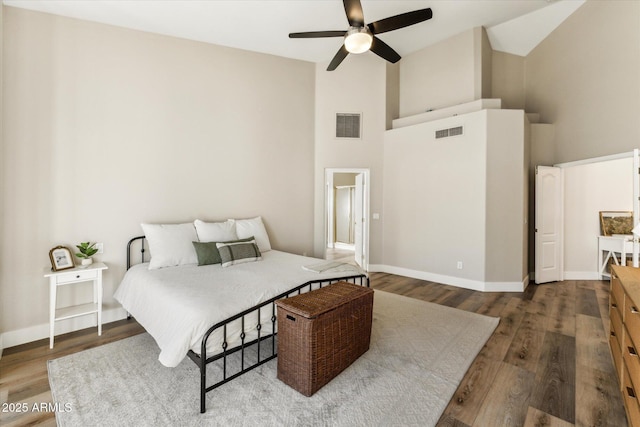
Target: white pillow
{"points": [[171, 244], [216, 231], [253, 227]]}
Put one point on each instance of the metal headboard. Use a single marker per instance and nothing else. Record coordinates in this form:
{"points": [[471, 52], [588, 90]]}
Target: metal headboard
{"points": [[129, 249]]}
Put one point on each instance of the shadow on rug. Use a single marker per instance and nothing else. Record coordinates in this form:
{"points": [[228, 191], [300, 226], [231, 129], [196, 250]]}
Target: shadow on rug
{"points": [[419, 354]]}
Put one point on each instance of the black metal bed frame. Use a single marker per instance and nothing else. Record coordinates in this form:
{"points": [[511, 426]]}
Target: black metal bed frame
{"points": [[202, 360]]}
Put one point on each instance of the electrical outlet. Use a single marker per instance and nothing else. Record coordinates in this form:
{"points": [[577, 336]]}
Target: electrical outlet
{"points": [[100, 247], [459, 265]]}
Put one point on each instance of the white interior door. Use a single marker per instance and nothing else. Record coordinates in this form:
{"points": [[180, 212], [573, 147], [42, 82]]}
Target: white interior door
{"points": [[359, 220], [548, 224]]}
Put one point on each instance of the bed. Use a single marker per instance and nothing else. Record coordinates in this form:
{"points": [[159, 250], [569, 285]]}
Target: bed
{"points": [[212, 312]]}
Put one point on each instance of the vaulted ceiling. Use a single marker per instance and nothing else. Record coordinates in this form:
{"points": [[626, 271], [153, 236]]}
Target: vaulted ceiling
{"points": [[514, 26]]}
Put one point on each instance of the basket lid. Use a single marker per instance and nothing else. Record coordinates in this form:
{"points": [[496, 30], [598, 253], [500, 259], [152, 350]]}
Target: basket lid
{"points": [[312, 304]]}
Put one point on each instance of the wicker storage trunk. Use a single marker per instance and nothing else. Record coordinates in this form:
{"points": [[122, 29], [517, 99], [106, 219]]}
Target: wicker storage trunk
{"points": [[321, 333]]}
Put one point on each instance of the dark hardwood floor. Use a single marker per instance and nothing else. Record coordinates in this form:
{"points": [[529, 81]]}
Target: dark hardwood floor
{"points": [[547, 363]]}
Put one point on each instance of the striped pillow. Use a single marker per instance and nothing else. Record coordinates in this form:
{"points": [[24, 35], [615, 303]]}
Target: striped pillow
{"points": [[207, 252], [238, 252]]}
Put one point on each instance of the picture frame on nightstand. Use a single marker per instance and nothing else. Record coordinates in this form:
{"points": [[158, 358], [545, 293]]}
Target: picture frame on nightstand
{"points": [[61, 258]]}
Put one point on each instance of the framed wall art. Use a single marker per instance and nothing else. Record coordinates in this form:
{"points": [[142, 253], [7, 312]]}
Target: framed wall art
{"points": [[616, 222]]}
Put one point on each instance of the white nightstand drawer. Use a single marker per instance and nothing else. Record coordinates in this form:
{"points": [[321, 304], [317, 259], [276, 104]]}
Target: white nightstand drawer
{"points": [[76, 276]]}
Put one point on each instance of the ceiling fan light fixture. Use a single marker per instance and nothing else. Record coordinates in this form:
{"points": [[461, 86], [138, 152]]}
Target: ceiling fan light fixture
{"points": [[358, 39]]}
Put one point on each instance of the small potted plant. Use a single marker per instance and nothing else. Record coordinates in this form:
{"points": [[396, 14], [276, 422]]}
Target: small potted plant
{"points": [[86, 251]]}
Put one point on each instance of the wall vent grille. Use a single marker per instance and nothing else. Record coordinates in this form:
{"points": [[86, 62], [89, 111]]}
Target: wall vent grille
{"points": [[348, 125], [445, 133], [442, 133]]}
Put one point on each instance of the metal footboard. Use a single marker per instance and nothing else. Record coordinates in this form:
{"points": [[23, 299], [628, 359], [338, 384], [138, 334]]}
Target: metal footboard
{"points": [[265, 345], [271, 351]]}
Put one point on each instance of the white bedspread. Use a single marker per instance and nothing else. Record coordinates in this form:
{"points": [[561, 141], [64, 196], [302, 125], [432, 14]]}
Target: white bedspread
{"points": [[177, 305]]}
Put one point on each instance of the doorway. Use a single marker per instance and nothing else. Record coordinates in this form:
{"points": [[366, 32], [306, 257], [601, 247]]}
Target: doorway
{"points": [[549, 218], [346, 215]]}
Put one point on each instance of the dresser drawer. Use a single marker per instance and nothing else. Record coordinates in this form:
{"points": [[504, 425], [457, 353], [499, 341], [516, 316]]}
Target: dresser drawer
{"points": [[613, 304], [615, 322], [631, 319], [617, 293], [631, 402], [615, 341], [631, 359], [618, 364], [76, 276]]}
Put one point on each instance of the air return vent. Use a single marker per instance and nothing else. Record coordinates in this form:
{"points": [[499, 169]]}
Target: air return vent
{"points": [[347, 125], [444, 133]]}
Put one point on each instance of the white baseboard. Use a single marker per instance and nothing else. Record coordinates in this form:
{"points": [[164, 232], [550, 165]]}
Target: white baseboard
{"points": [[459, 282], [38, 332], [581, 275], [506, 286], [576, 275]]}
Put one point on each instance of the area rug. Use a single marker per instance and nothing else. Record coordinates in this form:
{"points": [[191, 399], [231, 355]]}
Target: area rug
{"points": [[419, 354]]}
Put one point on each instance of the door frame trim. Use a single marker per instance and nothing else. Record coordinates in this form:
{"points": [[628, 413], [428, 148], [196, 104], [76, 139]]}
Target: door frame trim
{"points": [[328, 206]]}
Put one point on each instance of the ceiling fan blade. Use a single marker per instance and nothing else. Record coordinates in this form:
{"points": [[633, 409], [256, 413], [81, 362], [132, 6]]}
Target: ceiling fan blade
{"points": [[342, 53], [384, 51], [355, 16], [400, 21], [315, 34]]}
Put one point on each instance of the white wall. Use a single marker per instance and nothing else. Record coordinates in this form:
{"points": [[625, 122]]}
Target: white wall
{"points": [[107, 127], [589, 189]]}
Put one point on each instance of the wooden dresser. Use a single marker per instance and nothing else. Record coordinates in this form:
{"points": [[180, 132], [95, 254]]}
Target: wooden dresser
{"points": [[624, 339]]}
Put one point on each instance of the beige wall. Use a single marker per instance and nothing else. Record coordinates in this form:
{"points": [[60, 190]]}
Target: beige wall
{"points": [[341, 179], [2, 156], [358, 86], [507, 79], [392, 94], [434, 198], [458, 199], [483, 64], [583, 78], [107, 127], [507, 171], [439, 76], [162, 123]]}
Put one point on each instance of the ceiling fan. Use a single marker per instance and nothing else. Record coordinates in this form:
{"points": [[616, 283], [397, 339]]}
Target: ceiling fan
{"points": [[360, 38]]}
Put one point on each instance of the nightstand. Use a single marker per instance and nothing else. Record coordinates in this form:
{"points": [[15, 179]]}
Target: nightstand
{"points": [[91, 273]]}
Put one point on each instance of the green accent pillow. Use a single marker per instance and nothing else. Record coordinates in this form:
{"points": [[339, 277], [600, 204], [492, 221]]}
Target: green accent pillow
{"points": [[238, 252], [207, 252]]}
